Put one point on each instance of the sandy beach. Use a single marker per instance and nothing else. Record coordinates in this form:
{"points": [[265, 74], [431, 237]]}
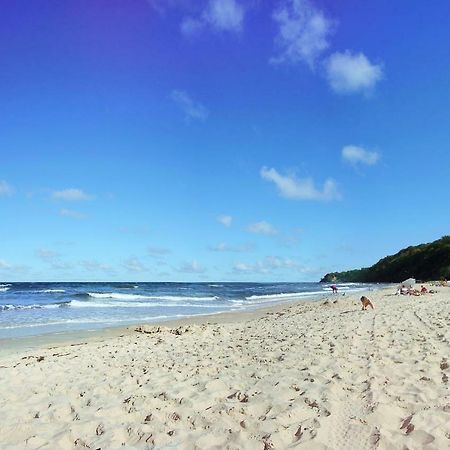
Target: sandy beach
{"points": [[313, 375]]}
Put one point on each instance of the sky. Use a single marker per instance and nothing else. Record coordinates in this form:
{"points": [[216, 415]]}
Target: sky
{"points": [[228, 140]]}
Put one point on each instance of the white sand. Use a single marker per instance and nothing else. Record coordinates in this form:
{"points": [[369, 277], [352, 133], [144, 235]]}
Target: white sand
{"points": [[310, 376]]}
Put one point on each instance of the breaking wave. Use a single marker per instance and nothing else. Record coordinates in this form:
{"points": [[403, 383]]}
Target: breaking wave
{"points": [[24, 307], [175, 298]]}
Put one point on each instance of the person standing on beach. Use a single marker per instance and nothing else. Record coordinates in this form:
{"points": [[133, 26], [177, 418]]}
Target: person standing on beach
{"points": [[334, 288]]}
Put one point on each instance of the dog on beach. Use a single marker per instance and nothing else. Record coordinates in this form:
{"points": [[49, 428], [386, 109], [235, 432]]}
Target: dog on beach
{"points": [[366, 302]]}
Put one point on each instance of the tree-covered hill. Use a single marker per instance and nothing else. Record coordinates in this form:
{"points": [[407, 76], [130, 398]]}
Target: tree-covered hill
{"points": [[423, 262]]}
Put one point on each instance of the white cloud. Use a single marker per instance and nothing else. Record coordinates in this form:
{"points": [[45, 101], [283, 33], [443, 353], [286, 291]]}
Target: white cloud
{"points": [[158, 252], [61, 265], [71, 195], [223, 247], [5, 188], [93, 265], [4, 265], [303, 32], [295, 188], [225, 15], [262, 227], [225, 220], [53, 259], [219, 16], [349, 73], [358, 155], [270, 264], [47, 255], [71, 213], [134, 264], [191, 267], [191, 108]]}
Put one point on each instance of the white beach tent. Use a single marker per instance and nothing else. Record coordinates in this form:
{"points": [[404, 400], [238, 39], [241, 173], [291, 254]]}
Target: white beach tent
{"points": [[409, 283]]}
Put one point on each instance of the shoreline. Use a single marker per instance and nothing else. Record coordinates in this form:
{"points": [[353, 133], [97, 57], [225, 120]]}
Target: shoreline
{"points": [[12, 345], [311, 374]]}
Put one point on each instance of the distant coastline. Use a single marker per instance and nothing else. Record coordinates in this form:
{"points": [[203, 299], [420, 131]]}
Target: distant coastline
{"points": [[424, 262]]}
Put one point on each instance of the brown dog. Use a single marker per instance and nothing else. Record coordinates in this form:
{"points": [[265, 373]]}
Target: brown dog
{"points": [[365, 303]]}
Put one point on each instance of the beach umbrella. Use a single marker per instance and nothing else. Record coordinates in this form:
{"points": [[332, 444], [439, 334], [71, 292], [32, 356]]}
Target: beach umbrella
{"points": [[409, 283]]}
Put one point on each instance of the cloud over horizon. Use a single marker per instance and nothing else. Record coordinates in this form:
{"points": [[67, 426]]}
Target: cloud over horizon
{"points": [[291, 187], [191, 267], [133, 264], [268, 265]]}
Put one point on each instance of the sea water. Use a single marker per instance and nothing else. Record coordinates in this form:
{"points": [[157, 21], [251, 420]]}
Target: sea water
{"points": [[28, 309]]}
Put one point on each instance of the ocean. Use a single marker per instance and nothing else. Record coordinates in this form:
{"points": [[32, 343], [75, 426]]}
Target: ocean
{"points": [[29, 309]]}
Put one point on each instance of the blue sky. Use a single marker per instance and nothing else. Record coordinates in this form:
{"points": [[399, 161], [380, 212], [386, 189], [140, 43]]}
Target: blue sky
{"points": [[219, 139]]}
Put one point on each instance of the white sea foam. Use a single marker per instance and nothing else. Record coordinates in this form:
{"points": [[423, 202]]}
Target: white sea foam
{"points": [[17, 307], [94, 304], [271, 297], [4, 289], [5, 284], [48, 291], [119, 296]]}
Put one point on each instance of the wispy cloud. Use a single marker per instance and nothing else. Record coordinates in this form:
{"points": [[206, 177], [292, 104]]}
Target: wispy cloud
{"points": [[289, 186], [349, 73], [92, 265], [225, 220], [224, 15], [62, 265], [191, 267], [223, 247], [270, 264], [71, 213], [161, 6], [219, 16], [262, 227], [46, 254], [5, 188], [4, 265], [71, 195], [9, 268], [303, 32], [134, 264], [358, 155], [192, 109], [158, 252], [53, 259]]}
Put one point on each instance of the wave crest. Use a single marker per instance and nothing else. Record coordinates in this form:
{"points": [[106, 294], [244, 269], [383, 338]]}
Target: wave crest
{"points": [[119, 296]]}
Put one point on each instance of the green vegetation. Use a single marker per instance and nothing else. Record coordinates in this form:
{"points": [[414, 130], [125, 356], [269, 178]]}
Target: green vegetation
{"points": [[423, 262]]}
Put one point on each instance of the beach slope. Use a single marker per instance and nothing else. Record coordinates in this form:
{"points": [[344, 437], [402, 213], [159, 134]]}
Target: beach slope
{"points": [[316, 375]]}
